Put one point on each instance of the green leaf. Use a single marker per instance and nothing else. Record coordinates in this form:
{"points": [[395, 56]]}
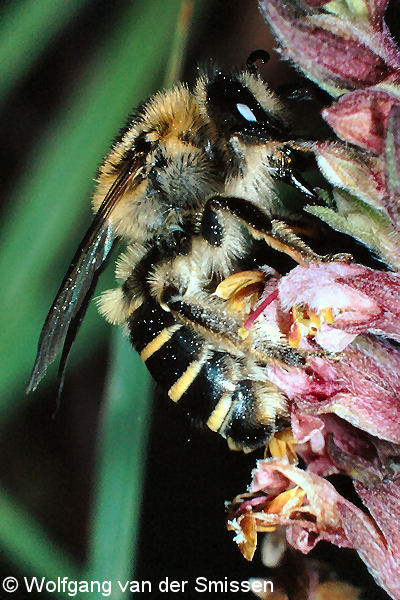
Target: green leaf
{"points": [[364, 223], [120, 467], [27, 28], [28, 547]]}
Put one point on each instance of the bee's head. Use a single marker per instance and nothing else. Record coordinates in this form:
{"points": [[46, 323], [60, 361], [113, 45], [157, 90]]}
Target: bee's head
{"points": [[240, 104]]}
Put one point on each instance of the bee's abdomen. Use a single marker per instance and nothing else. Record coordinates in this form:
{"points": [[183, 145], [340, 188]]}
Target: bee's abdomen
{"points": [[209, 385]]}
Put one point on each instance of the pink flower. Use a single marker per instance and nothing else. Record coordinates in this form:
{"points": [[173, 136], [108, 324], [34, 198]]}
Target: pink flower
{"points": [[340, 320], [358, 299], [344, 405], [361, 117], [336, 314], [340, 50], [347, 50], [312, 510], [358, 172]]}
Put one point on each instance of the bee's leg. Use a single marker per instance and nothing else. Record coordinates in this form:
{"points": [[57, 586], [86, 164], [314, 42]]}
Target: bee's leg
{"points": [[205, 313], [276, 233]]}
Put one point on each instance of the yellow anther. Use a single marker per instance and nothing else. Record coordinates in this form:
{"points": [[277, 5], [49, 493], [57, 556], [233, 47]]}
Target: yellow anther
{"points": [[243, 333], [294, 496], [327, 315]]}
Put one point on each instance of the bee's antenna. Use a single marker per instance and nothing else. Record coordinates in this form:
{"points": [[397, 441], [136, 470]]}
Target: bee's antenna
{"points": [[254, 56]]}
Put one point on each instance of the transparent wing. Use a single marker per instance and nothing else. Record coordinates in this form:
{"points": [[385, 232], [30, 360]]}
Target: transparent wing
{"points": [[72, 299]]}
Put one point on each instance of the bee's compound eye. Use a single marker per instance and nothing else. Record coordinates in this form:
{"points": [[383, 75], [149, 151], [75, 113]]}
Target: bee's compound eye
{"points": [[246, 112], [235, 108]]}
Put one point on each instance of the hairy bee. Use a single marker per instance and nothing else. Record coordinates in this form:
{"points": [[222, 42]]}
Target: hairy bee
{"points": [[190, 187]]}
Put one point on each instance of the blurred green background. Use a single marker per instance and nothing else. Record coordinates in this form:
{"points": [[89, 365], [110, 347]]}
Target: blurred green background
{"points": [[110, 485]]}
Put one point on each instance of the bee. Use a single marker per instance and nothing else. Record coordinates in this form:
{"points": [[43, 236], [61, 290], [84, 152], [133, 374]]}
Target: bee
{"points": [[191, 187]]}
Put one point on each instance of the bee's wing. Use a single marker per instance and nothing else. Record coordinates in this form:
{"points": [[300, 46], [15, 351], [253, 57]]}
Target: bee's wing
{"points": [[72, 299]]}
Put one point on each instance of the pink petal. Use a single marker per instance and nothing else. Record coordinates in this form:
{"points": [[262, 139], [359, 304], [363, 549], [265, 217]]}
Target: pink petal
{"points": [[384, 288], [305, 427], [330, 50], [361, 117], [383, 502], [361, 174], [326, 515], [316, 3], [264, 478], [392, 155], [363, 300], [344, 448], [363, 387], [378, 548], [317, 519], [377, 9]]}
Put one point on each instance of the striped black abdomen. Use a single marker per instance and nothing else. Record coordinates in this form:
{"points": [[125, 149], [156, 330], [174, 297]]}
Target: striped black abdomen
{"points": [[209, 384]]}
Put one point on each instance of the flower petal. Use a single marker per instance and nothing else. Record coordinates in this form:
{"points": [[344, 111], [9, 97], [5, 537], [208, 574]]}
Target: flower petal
{"points": [[358, 172], [330, 50], [361, 116], [362, 300], [361, 388], [392, 154], [379, 548], [326, 515]]}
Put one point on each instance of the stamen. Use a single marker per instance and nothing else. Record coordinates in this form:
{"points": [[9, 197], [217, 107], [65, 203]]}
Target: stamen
{"points": [[294, 336]]}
